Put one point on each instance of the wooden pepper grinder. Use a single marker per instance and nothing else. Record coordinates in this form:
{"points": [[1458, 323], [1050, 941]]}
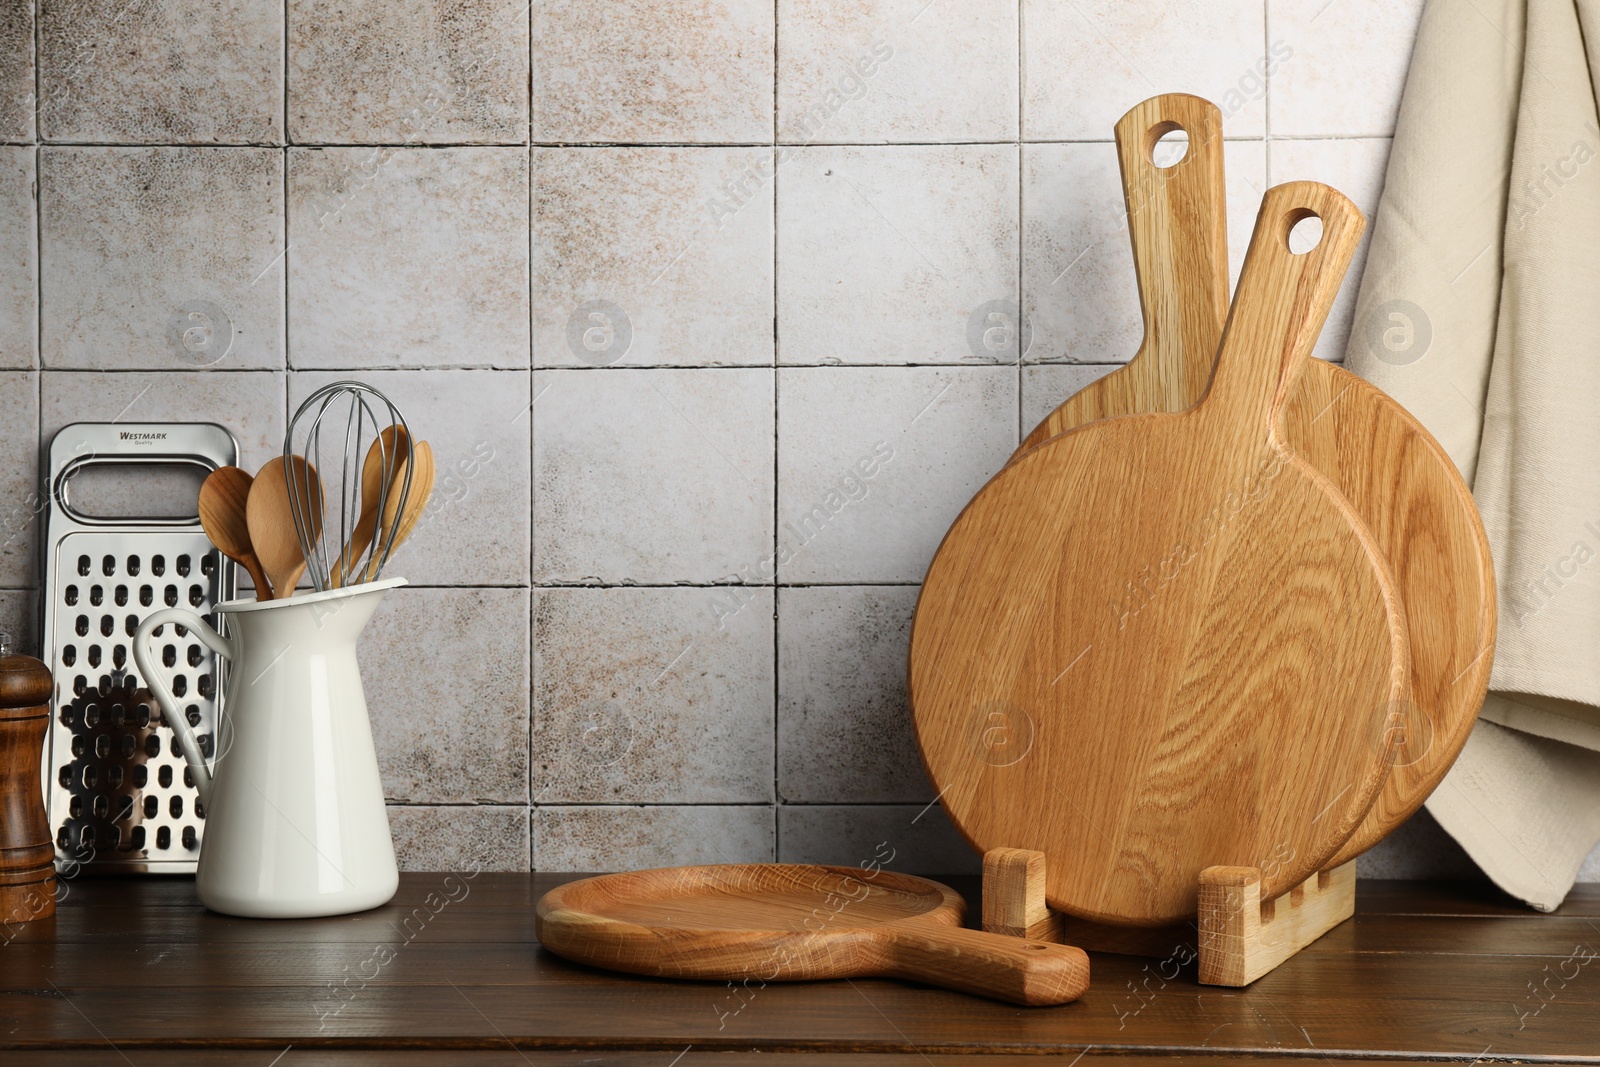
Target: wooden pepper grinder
{"points": [[27, 857]]}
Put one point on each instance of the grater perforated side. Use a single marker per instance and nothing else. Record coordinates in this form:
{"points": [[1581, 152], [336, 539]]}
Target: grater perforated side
{"points": [[117, 790]]}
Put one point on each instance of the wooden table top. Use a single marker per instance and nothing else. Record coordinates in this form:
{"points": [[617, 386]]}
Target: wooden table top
{"points": [[133, 970]]}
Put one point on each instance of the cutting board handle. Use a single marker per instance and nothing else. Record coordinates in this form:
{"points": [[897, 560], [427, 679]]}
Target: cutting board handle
{"points": [[1030, 973], [1279, 306], [1177, 220]]}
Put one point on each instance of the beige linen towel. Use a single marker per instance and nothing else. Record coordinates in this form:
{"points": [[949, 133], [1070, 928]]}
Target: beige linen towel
{"points": [[1480, 311]]}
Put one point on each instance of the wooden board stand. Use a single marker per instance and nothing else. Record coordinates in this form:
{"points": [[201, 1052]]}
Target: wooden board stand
{"points": [[1238, 937]]}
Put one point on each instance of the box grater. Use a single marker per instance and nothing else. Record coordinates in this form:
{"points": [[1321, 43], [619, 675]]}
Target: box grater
{"points": [[118, 792]]}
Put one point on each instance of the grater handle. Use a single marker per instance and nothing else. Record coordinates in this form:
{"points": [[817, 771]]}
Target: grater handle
{"points": [[169, 707]]}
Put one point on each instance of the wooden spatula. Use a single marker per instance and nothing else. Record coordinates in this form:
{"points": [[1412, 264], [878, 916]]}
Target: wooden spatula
{"points": [[793, 923], [1194, 631], [1389, 468]]}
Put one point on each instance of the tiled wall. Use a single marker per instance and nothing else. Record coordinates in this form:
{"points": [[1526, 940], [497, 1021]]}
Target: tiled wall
{"points": [[709, 282]]}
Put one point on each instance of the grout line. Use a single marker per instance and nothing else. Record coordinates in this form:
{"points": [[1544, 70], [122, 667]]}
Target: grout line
{"points": [[423, 146], [533, 482], [38, 476], [1266, 93], [777, 682], [1022, 296], [774, 805], [283, 74]]}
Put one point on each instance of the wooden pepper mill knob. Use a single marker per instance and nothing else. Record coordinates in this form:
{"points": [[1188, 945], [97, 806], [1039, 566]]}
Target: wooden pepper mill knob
{"points": [[27, 857]]}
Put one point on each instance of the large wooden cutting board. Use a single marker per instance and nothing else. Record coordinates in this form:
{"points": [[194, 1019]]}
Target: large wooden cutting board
{"points": [[1390, 469], [1179, 633]]}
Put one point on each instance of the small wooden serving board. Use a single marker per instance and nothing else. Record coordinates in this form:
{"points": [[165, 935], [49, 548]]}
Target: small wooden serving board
{"points": [[767, 922]]}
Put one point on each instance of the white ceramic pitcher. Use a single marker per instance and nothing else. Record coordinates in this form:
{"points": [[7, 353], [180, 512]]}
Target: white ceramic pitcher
{"points": [[295, 822]]}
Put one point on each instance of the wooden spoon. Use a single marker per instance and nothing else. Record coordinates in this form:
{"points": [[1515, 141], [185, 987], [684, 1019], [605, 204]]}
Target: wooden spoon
{"points": [[270, 514], [387, 453], [414, 502], [223, 498]]}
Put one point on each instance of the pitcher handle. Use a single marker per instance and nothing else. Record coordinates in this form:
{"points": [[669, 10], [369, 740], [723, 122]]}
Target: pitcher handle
{"points": [[179, 722]]}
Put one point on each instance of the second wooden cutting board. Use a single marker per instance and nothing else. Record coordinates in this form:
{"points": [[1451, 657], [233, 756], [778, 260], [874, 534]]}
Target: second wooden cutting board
{"points": [[1222, 720], [1390, 469]]}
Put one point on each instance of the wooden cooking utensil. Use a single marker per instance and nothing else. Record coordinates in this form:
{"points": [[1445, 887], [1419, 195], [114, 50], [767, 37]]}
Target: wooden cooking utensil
{"points": [[384, 457], [1388, 467], [1188, 634], [223, 497], [789, 923], [413, 502], [270, 515]]}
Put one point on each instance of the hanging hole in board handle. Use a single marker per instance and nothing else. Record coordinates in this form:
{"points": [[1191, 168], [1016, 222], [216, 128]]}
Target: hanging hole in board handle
{"points": [[1167, 145], [1302, 231]]}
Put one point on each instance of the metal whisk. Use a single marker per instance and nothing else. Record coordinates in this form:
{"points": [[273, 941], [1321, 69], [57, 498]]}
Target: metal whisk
{"points": [[368, 444]]}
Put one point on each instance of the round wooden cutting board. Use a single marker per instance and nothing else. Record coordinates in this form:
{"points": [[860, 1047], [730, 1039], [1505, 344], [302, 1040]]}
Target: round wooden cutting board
{"points": [[1390, 469], [778, 922], [1160, 643]]}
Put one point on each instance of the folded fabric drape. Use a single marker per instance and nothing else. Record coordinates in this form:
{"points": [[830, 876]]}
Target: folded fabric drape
{"points": [[1479, 310]]}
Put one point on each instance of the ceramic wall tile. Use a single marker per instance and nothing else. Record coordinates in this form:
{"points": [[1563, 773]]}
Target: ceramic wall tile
{"points": [[633, 838], [460, 838], [1342, 65], [844, 724], [1418, 848], [1077, 264], [860, 73], [19, 283], [1590, 871], [161, 258], [673, 71], [162, 72], [431, 72], [712, 310], [1087, 63], [17, 79], [874, 463], [651, 256], [446, 678], [910, 838], [408, 257], [652, 476], [898, 254], [657, 695], [20, 502], [475, 531], [19, 618], [1356, 169], [1046, 385]]}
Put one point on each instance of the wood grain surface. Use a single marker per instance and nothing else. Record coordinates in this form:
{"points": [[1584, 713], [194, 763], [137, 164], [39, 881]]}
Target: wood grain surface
{"points": [[27, 853], [790, 922], [224, 498], [132, 971], [1177, 220], [270, 512], [1140, 609], [1391, 470]]}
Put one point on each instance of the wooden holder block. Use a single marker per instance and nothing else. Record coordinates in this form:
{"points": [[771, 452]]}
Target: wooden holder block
{"points": [[1240, 937]]}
